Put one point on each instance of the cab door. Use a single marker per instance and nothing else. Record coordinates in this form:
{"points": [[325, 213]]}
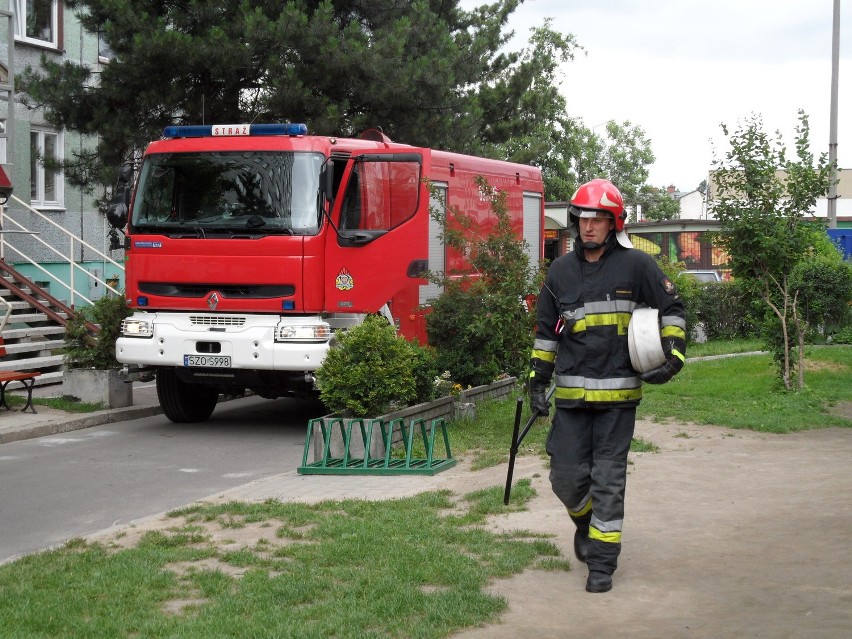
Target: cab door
{"points": [[380, 243]]}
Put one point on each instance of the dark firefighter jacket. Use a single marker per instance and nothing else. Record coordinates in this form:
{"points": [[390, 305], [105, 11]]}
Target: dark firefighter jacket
{"points": [[583, 312]]}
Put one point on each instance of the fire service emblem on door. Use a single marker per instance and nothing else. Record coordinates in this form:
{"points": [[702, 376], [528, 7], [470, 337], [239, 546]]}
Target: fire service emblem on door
{"points": [[344, 281]]}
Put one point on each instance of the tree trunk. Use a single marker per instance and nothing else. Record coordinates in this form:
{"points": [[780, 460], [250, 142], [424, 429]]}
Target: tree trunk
{"points": [[782, 317], [801, 328]]}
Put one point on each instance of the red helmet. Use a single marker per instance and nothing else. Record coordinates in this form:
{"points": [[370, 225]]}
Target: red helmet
{"points": [[600, 195]]}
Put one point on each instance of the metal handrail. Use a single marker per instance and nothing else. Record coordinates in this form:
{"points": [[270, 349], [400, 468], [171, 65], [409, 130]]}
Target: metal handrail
{"points": [[73, 264], [7, 314]]}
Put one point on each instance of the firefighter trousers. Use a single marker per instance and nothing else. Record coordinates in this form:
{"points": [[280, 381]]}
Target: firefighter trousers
{"points": [[588, 472]]}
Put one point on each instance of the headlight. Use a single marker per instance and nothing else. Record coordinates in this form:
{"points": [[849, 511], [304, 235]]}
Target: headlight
{"points": [[320, 332], [131, 327]]}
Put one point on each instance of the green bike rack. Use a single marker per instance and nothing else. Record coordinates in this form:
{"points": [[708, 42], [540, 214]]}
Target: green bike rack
{"points": [[385, 464]]}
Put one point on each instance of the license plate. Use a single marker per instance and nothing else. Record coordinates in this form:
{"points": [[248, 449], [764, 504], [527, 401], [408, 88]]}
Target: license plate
{"points": [[208, 361]]}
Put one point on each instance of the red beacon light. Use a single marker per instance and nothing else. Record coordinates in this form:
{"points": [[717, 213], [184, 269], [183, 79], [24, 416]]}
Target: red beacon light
{"points": [[219, 130]]}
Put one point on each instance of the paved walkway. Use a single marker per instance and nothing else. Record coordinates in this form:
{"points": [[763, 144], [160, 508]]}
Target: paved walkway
{"points": [[727, 533]]}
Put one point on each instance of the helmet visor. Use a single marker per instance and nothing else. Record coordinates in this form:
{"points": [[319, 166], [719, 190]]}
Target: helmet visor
{"points": [[591, 213]]}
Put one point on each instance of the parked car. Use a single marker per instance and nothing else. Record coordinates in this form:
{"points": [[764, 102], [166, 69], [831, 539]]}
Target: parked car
{"points": [[704, 276]]}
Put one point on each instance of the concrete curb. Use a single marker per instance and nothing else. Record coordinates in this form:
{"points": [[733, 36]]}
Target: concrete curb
{"points": [[62, 423]]}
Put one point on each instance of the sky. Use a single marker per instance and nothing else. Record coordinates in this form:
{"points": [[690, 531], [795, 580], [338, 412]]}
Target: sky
{"points": [[678, 69]]}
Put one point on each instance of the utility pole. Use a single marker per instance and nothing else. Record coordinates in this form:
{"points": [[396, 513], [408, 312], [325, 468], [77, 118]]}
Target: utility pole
{"points": [[832, 132]]}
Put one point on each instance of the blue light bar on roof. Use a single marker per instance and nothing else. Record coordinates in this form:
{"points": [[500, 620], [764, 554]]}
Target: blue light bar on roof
{"points": [[213, 130]]}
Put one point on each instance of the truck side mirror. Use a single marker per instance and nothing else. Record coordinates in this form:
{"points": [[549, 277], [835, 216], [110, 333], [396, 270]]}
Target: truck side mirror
{"points": [[117, 215], [117, 211], [125, 174]]}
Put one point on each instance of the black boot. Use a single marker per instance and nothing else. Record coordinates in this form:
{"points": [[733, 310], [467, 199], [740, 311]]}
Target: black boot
{"points": [[598, 581], [581, 544]]}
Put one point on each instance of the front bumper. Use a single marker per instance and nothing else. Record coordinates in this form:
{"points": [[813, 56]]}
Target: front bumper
{"points": [[249, 340]]}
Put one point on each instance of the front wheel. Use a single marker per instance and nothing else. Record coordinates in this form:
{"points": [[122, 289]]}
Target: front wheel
{"points": [[184, 403]]}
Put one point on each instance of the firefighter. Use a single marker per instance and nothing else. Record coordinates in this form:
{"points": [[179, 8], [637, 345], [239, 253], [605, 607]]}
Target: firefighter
{"points": [[583, 314]]}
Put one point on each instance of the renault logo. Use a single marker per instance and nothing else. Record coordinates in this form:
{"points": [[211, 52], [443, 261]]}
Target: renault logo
{"points": [[213, 301]]}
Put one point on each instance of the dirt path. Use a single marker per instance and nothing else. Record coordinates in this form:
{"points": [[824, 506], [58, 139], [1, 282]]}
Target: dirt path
{"points": [[727, 534]]}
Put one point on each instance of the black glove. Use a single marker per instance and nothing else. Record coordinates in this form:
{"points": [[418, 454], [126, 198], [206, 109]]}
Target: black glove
{"points": [[538, 399], [664, 373], [538, 382], [675, 349]]}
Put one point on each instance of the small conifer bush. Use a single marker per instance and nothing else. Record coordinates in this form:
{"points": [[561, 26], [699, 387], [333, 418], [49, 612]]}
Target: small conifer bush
{"points": [[85, 350], [371, 371]]}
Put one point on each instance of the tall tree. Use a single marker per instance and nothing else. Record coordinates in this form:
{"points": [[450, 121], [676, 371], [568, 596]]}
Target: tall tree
{"points": [[761, 199], [625, 158], [658, 204], [570, 153], [428, 72]]}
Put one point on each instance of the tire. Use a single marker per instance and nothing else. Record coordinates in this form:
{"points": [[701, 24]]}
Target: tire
{"points": [[184, 403]]}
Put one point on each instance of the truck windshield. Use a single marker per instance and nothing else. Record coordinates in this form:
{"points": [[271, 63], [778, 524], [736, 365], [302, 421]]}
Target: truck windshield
{"points": [[259, 192]]}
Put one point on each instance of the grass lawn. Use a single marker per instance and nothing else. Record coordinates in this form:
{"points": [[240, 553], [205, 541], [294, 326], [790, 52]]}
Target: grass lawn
{"points": [[743, 392], [414, 567]]}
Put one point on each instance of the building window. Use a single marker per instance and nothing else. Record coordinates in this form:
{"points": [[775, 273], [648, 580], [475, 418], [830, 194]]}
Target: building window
{"points": [[104, 52], [45, 183], [36, 21]]}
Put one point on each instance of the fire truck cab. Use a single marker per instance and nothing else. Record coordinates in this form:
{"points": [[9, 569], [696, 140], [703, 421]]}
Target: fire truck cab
{"points": [[248, 246]]}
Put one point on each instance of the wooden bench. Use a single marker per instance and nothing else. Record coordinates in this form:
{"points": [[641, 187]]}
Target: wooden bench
{"points": [[26, 378]]}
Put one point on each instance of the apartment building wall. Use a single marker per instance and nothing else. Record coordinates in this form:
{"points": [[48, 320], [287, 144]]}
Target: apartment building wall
{"points": [[67, 206]]}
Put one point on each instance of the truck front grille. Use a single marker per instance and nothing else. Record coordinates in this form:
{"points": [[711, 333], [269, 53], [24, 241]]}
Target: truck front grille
{"points": [[217, 320]]}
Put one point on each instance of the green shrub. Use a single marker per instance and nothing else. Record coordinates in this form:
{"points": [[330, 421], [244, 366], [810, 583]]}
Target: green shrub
{"points": [[466, 335], [85, 350], [479, 325], [370, 371], [725, 310], [843, 336], [425, 369], [824, 285]]}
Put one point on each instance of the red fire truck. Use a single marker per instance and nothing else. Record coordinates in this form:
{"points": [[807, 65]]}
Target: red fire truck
{"points": [[248, 246]]}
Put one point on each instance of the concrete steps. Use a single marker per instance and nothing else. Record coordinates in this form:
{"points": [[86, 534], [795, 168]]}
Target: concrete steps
{"points": [[34, 332], [32, 338], [36, 348]]}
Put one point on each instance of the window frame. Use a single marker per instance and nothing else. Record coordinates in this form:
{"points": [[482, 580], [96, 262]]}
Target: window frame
{"points": [[38, 172], [19, 9]]}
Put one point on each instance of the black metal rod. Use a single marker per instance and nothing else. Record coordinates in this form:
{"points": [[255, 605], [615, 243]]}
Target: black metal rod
{"points": [[516, 440], [524, 432], [513, 449]]}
